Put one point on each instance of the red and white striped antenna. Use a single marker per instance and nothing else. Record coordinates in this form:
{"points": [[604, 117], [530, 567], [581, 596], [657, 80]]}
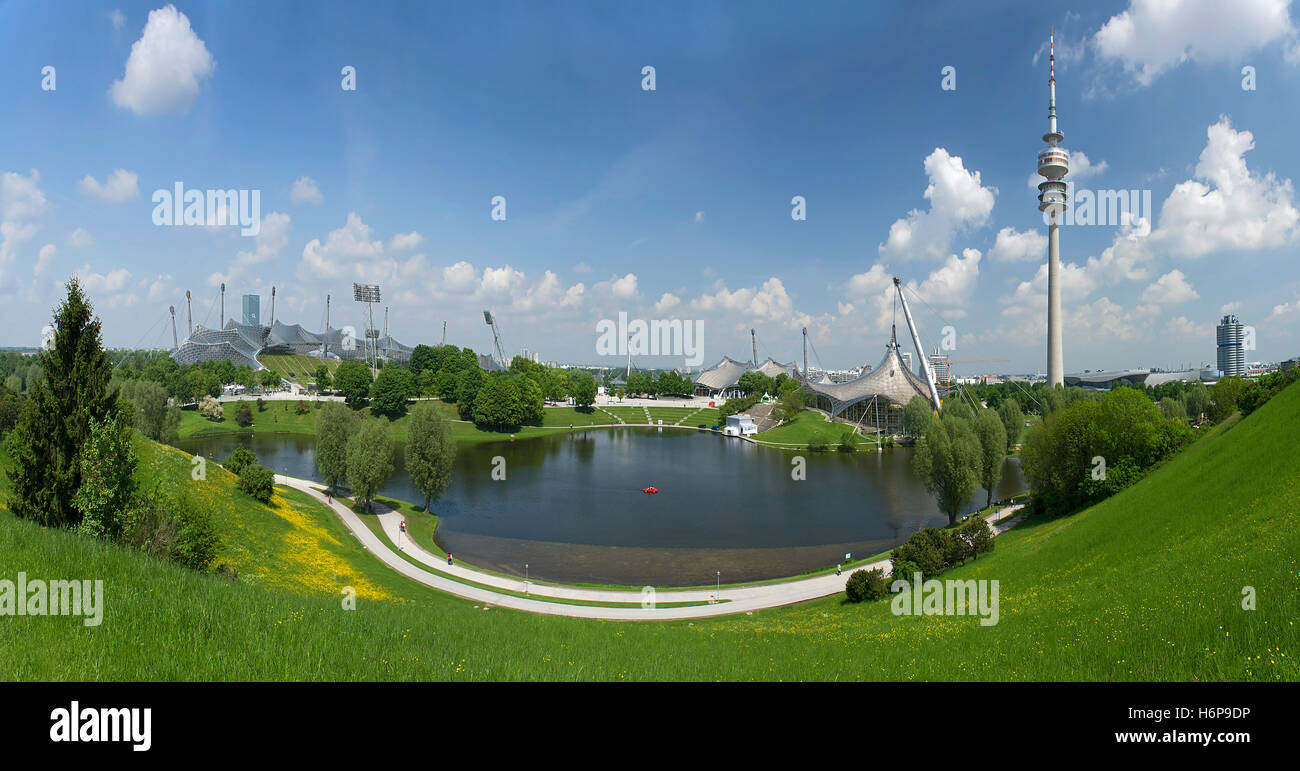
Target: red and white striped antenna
{"points": [[1051, 48]]}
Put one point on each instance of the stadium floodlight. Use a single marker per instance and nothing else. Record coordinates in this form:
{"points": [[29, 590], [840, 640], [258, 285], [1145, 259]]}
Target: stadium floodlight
{"points": [[365, 293], [487, 317]]}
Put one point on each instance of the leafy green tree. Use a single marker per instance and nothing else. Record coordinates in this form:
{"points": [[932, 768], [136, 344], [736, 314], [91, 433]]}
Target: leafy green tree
{"points": [[792, 403], [498, 403], [352, 379], [1172, 407], [269, 378], [447, 382], [323, 379], [423, 357], [1013, 421], [582, 386], [531, 403], [916, 416], [468, 384], [947, 461], [955, 406], [754, 382], [240, 459], [108, 463], [390, 391], [244, 415], [992, 437], [155, 415], [430, 452], [335, 424], [55, 423], [257, 481], [672, 382], [369, 460], [1197, 400]]}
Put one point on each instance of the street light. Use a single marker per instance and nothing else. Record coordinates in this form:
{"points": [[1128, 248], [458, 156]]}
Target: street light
{"points": [[718, 591], [525, 578]]}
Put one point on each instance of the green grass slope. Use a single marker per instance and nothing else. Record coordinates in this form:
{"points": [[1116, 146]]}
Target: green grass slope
{"points": [[1144, 586]]}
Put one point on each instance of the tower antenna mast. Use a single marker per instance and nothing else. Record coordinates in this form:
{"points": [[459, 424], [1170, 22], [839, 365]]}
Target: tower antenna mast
{"points": [[1053, 165]]}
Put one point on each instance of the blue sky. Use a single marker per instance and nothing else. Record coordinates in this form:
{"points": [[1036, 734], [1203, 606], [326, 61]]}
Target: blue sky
{"points": [[672, 203]]}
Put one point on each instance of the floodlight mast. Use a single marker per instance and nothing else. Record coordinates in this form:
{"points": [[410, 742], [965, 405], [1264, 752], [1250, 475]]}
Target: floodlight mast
{"points": [[369, 294], [920, 352], [496, 338], [176, 346], [189, 316]]}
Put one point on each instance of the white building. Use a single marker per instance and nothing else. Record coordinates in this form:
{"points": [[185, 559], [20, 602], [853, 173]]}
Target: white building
{"points": [[740, 425]]}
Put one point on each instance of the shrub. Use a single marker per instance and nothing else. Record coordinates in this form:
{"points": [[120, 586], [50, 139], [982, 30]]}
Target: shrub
{"points": [[171, 528], [261, 404], [301, 408], [257, 481], [903, 570], [240, 459], [846, 442], [931, 550], [210, 408], [866, 585], [818, 443], [244, 416], [975, 537]]}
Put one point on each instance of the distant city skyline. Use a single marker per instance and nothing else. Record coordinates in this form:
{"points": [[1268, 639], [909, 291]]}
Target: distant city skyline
{"points": [[515, 161]]}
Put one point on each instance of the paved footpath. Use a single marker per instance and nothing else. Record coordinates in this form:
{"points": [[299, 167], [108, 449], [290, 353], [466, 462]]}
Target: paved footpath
{"points": [[437, 574]]}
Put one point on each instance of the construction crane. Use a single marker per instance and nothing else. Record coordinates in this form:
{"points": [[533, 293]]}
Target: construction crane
{"points": [[496, 337]]}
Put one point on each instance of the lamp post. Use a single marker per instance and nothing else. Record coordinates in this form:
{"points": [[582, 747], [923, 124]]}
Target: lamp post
{"points": [[717, 592], [525, 578]]}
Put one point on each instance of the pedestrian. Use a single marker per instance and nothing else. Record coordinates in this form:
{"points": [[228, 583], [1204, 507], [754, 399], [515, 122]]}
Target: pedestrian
{"points": [[837, 568], [448, 558]]}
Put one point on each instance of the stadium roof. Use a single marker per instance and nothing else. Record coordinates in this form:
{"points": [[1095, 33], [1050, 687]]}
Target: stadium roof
{"points": [[891, 379], [723, 375]]}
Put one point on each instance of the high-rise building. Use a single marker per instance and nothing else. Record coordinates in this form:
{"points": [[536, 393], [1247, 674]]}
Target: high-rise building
{"points": [[1232, 356], [252, 310], [1053, 165]]}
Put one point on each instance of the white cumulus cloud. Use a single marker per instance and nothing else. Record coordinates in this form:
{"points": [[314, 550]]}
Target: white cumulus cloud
{"points": [[165, 68]]}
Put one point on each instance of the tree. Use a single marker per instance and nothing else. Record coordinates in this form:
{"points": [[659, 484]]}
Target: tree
{"points": [[55, 423], [916, 416], [468, 384], [956, 407], [792, 403], [390, 391], [1013, 421], [583, 388], [239, 460], [243, 415], [423, 358], [107, 484], [369, 459], [671, 382], [531, 403], [156, 416], [211, 409], [754, 382], [430, 452], [334, 426], [352, 379], [993, 449], [269, 378], [498, 403], [323, 379], [947, 459], [257, 481], [866, 585]]}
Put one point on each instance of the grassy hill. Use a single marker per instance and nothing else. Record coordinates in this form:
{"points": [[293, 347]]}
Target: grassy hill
{"points": [[1144, 586]]}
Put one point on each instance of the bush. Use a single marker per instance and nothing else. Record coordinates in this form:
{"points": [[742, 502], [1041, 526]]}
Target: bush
{"points": [[818, 443], [210, 408], [975, 537], [302, 408], [261, 404], [240, 459], [903, 570], [173, 529], [846, 442], [866, 585], [244, 416], [257, 481], [931, 550]]}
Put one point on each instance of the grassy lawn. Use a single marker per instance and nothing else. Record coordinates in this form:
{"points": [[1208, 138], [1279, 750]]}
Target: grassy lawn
{"points": [[296, 367], [669, 415], [806, 425], [1146, 585]]}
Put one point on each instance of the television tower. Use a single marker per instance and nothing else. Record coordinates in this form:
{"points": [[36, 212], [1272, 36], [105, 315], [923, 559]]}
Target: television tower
{"points": [[1053, 165]]}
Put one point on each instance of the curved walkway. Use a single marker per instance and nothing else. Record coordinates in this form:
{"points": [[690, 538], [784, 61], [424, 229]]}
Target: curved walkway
{"points": [[737, 599]]}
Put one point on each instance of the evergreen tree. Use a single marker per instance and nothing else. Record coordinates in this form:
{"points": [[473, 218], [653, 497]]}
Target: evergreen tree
{"points": [[55, 423]]}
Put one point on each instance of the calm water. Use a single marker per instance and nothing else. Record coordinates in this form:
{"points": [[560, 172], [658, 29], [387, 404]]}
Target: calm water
{"points": [[571, 505]]}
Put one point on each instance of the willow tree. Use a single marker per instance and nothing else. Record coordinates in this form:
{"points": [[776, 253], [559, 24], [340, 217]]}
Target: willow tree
{"points": [[947, 461], [430, 452]]}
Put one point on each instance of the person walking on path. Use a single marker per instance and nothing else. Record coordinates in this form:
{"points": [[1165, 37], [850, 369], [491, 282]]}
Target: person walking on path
{"points": [[448, 558]]}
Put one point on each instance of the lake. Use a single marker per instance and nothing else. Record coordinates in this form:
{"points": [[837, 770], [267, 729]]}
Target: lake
{"points": [[571, 505]]}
